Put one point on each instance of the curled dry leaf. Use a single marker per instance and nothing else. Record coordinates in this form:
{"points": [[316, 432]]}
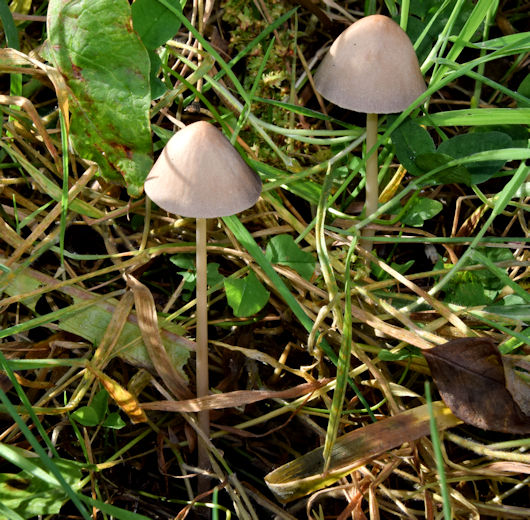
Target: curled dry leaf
{"points": [[469, 374], [233, 399], [148, 323], [304, 475]]}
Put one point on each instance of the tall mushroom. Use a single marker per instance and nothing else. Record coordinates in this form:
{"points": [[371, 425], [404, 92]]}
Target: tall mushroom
{"points": [[200, 174], [371, 67]]}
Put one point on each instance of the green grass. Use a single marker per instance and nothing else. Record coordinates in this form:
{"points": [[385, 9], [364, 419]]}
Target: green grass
{"points": [[353, 330]]}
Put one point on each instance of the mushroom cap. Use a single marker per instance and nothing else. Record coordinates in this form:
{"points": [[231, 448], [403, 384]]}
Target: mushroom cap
{"points": [[371, 67], [200, 174]]}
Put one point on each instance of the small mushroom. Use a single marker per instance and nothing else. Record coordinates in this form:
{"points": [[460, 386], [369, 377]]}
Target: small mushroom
{"points": [[371, 67], [200, 174]]}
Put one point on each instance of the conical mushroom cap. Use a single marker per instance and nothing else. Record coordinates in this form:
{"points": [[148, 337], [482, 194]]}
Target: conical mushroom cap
{"points": [[371, 67], [200, 174]]}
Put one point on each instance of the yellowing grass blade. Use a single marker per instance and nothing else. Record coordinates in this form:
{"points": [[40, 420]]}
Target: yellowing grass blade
{"points": [[353, 450], [122, 397]]}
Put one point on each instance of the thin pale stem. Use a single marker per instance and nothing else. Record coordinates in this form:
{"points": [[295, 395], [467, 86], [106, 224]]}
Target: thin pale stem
{"points": [[202, 336], [372, 188]]}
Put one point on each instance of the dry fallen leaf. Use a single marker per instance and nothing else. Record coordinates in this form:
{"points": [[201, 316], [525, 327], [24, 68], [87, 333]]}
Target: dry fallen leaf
{"points": [[516, 372], [469, 374]]}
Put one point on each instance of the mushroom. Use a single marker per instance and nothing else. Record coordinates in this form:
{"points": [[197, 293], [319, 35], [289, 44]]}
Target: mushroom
{"points": [[371, 67], [200, 174]]}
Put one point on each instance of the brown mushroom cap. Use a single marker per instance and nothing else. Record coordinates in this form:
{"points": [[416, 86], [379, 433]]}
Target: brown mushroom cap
{"points": [[371, 67], [200, 174]]}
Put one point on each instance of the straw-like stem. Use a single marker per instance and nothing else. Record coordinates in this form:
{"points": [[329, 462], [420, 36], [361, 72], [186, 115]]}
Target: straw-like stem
{"points": [[372, 188], [202, 336]]}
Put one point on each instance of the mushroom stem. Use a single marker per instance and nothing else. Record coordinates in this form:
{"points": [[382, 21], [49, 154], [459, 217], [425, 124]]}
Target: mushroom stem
{"points": [[202, 336], [371, 187]]}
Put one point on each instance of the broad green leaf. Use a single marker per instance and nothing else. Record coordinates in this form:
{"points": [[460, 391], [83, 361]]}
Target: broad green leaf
{"points": [[186, 261], [469, 292], [95, 413], [183, 260], [86, 415], [157, 85], [100, 404], [415, 28], [421, 7], [518, 133], [411, 140], [283, 250], [189, 277], [29, 495], [517, 312], [499, 276], [466, 144], [471, 288], [213, 275], [155, 23], [106, 68], [91, 322], [490, 279], [114, 421], [452, 174], [423, 209], [246, 295]]}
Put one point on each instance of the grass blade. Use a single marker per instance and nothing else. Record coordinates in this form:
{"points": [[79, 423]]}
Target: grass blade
{"points": [[438, 454], [39, 450], [343, 366], [245, 238]]}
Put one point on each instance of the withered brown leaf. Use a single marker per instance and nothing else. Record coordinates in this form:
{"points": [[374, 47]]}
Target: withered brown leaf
{"points": [[470, 377], [515, 367]]}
